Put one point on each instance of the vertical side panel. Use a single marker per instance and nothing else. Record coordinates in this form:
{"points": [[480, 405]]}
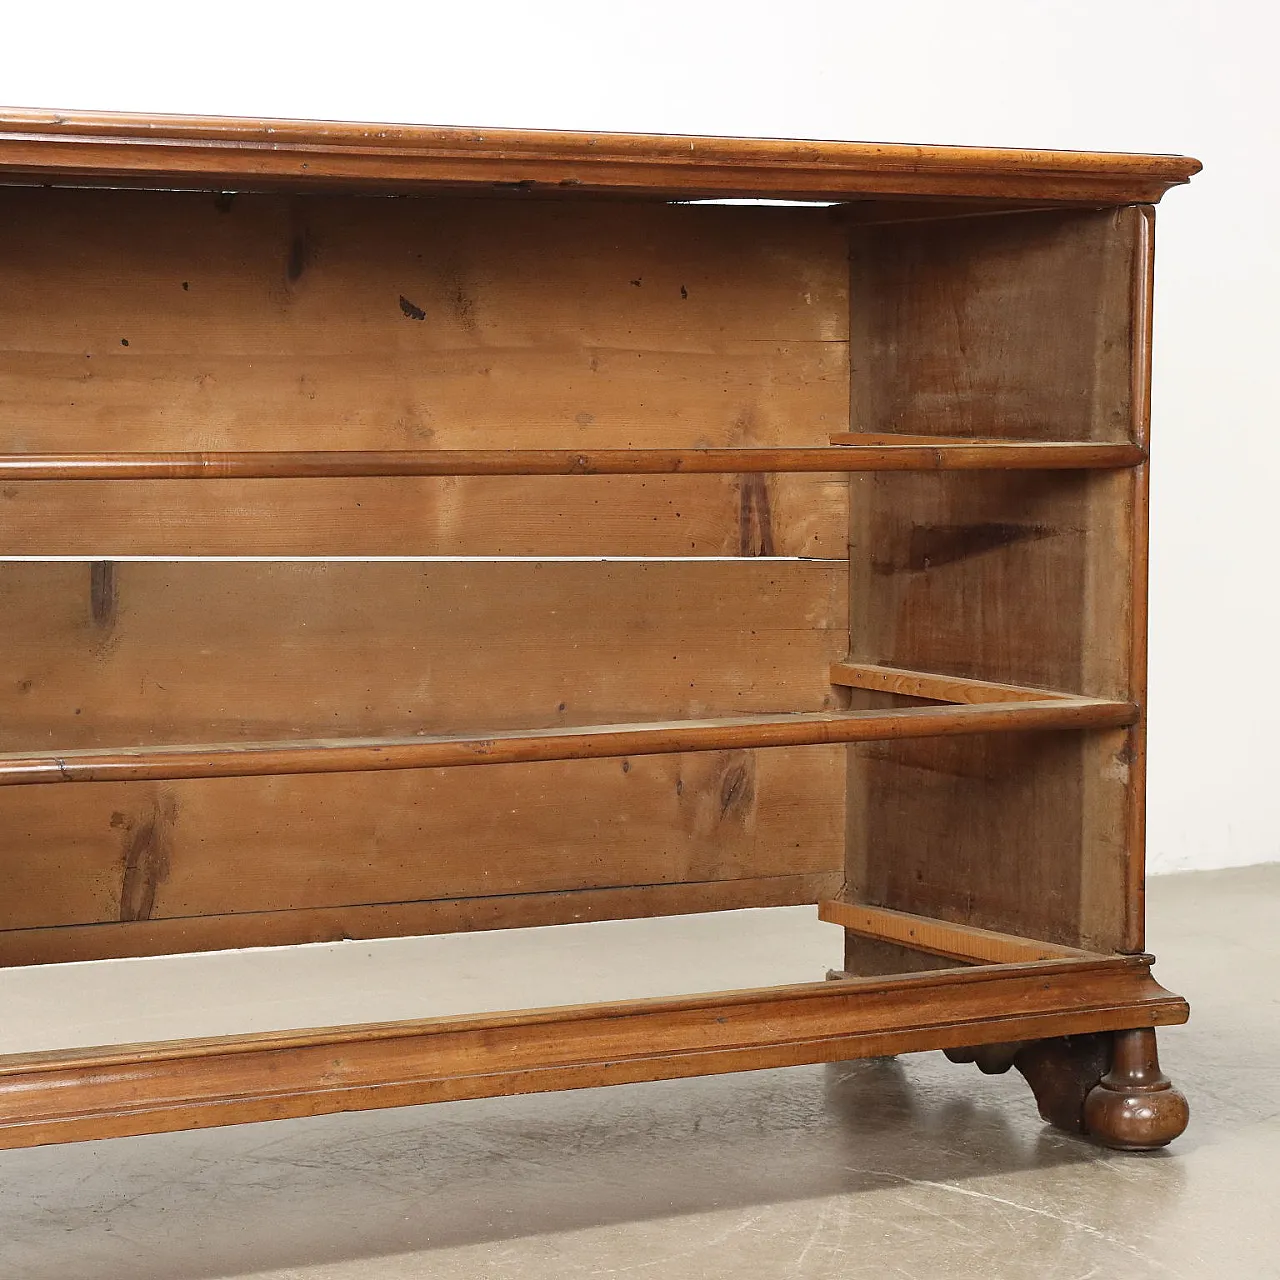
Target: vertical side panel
{"points": [[1140, 538], [1030, 325]]}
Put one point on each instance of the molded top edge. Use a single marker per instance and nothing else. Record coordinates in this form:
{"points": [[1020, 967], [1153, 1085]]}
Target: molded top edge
{"points": [[200, 152]]}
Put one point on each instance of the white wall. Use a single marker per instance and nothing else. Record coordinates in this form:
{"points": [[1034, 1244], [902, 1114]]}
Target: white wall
{"points": [[1165, 75]]}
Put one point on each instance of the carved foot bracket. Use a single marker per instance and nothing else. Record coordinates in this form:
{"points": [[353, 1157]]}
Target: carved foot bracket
{"points": [[1107, 1085]]}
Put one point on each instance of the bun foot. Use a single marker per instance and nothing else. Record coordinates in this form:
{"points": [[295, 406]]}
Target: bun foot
{"points": [[1134, 1106]]}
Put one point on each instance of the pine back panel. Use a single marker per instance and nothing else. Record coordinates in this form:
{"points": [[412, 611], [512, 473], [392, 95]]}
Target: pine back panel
{"points": [[167, 320], [164, 320]]}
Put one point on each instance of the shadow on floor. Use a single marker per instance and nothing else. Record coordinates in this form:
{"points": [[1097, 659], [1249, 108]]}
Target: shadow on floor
{"points": [[295, 1194]]}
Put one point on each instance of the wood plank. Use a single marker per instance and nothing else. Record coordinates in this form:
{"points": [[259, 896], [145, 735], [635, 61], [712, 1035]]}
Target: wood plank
{"points": [[928, 684], [138, 652], [291, 335], [210, 151], [994, 326], [684, 515], [578, 742], [941, 937], [880, 453], [852, 455], [866, 212], [134, 653], [967, 576], [262, 848], [1135, 506], [264, 323], [60, 944], [580, 390], [873, 957], [889, 437], [82, 1094], [997, 328]]}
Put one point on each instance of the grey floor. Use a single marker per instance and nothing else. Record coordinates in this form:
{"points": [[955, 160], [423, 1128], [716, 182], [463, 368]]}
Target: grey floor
{"points": [[901, 1168]]}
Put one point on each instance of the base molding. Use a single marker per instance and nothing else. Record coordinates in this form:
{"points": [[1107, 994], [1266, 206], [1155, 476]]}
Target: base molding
{"points": [[79, 1095]]}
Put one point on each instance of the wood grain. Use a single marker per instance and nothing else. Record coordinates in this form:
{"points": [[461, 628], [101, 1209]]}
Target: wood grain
{"points": [[577, 742], [858, 456], [924, 684], [127, 851], [82, 1094], [699, 515], [153, 653], [58, 944], [1011, 579], [941, 938], [1134, 505], [1040, 306], [107, 652], [493, 365], [163, 321], [241, 153]]}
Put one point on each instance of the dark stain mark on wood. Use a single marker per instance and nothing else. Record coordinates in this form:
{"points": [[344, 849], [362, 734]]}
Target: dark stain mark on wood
{"points": [[684, 293], [464, 308], [147, 849], [737, 788], [947, 759], [104, 595], [411, 309], [755, 520], [222, 200], [932, 546], [299, 256]]}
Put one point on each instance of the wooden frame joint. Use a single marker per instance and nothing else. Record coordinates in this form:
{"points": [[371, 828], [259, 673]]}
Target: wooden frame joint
{"points": [[957, 690], [965, 943]]}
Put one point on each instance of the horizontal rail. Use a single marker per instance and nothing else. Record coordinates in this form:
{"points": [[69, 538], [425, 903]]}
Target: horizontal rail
{"points": [[586, 742], [926, 684], [80, 1094], [961, 455], [943, 938]]}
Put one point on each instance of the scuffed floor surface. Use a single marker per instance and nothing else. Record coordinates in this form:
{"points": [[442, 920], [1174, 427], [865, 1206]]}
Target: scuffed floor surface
{"points": [[898, 1168]]}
